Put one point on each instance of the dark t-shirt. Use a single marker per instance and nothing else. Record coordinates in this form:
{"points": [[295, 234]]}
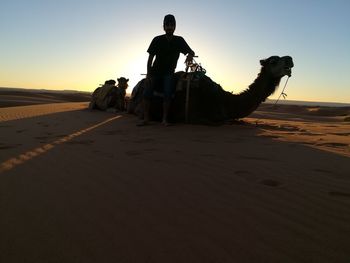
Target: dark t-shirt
{"points": [[167, 53]]}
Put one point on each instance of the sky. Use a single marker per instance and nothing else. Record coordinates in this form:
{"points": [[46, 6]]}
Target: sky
{"points": [[78, 44]]}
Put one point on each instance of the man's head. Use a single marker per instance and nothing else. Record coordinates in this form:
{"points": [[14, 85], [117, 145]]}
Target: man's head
{"points": [[169, 24]]}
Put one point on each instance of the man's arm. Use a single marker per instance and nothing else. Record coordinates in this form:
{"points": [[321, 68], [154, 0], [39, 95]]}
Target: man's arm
{"points": [[149, 64], [186, 50]]}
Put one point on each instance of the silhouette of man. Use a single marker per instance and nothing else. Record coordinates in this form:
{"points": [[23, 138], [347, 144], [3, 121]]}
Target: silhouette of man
{"points": [[164, 52]]}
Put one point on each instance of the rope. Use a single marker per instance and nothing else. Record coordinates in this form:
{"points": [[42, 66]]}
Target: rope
{"points": [[282, 93]]}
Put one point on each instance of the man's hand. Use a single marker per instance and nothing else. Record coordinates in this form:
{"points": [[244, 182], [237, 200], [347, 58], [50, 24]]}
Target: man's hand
{"points": [[189, 59]]}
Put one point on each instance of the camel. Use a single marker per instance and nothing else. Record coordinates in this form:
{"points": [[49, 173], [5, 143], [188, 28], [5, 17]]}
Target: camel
{"points": [[109, 97], [208, 102]]}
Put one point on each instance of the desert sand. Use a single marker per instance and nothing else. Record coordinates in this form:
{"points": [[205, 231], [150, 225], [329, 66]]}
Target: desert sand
{"points": [[90, 186]]}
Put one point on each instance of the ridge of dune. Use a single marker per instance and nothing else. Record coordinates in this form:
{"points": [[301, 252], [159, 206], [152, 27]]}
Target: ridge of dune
{"points": [[20, 112]]}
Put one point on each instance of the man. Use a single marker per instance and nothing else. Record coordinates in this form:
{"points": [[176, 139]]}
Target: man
{"points": [[164, 52]]}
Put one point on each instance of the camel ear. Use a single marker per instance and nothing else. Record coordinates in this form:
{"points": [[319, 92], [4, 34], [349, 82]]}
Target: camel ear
{"points": [[262, 62], [127, 80]]}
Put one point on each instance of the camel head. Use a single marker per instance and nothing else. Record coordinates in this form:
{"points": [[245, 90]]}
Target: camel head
{"points": [[123, 83], [277, 66]]}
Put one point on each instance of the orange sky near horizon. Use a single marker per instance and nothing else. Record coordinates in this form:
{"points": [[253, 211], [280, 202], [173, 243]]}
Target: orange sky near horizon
{"points": [[77, 45]]}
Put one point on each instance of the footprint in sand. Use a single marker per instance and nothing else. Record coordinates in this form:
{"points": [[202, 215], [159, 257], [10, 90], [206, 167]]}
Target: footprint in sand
{"points": [[132, 153], [43, 124], [242, 172], [271, 136], [113, 132], [41, 137], [210, 155], [333, 144], [8, 146], [255, 158], [60, 135], [323, 171], [144, 140], [153, 150], [246, 175], [339, 194], [270, 182], [82, 142], [341, 134], [332, 174], [202, 141], [310, 134]]}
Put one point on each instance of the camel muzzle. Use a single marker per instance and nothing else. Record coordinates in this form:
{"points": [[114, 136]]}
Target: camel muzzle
{"points": [[288, 65]]}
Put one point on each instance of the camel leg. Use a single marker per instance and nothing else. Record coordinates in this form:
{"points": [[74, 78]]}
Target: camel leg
{"points": [[146, 112]]}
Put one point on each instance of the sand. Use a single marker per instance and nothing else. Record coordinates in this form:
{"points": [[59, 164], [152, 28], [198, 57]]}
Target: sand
{"points": [[10, 97], [20, 112], [90, 186]]}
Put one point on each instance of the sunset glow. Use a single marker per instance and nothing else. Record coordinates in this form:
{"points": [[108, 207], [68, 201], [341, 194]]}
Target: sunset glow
{"points": [[77, 45]]}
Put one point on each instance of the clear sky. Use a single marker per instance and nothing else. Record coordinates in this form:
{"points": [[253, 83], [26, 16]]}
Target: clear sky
{"points": [[78, 44]]}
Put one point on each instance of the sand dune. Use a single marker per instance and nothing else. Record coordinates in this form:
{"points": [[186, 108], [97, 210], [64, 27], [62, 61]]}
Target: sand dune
{"points": [[20, 112], [326, 128], [10, 97], [90, 186]]}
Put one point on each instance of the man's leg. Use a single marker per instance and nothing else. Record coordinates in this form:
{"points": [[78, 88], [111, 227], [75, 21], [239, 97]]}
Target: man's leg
{"points": [[169, 86]]}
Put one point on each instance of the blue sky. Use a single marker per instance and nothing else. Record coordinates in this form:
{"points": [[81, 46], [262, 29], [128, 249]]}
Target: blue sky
{"points": [[79, 44]]}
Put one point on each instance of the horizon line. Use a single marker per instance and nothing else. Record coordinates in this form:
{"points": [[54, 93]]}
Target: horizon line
{"points": [[285, 101]]}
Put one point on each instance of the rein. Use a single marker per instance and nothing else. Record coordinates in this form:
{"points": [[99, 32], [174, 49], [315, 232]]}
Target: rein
{"points": [[282, 92]]}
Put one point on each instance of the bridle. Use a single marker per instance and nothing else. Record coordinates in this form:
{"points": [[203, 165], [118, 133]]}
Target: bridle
{"points": [[282, 92]]}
